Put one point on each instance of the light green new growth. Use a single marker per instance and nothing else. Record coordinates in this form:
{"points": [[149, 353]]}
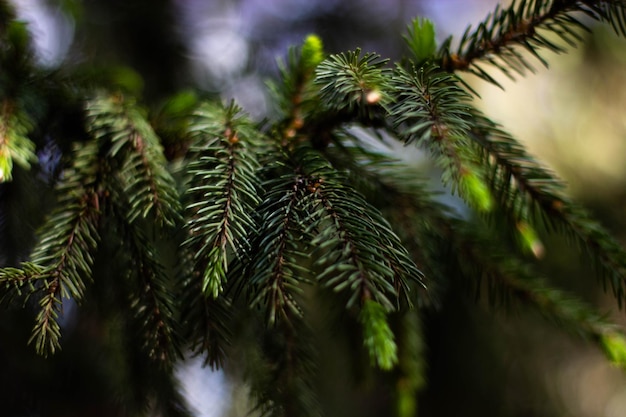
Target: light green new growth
{"points": [[14, 145], [614, 345], [530, 240], [312, 51], [476, 191], [421, 39], [378, 338]]}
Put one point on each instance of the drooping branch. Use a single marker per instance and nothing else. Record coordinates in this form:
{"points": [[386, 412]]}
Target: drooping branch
{"points": [[528, 191], [65, 253], [223, 192], [276, 275]]}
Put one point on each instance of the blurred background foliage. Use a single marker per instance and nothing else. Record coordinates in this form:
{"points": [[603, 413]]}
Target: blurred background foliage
{"points": [[514, 365]]}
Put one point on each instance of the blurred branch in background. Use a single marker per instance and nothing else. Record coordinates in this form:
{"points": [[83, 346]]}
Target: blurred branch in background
{"points": [[571, 116]]}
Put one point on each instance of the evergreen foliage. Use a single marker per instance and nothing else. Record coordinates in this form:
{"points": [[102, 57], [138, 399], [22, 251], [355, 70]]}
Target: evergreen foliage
{"points": [[224, 229]]}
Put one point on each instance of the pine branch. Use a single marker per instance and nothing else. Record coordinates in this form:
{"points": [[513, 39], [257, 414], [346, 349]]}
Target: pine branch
{"points": [[223, 192], [358, 253], [527, 24], [354, 84], [412, 209], [69, 238], [420, 219], [432, 110], [481, 258], [274, 279], [65, 252], [153, 303], [123, 131], [528, 191], [421, 40], [295, 95], [510, 281], [276, 275], [355, 246], [20, 282], [611, 11], [151, 296]]}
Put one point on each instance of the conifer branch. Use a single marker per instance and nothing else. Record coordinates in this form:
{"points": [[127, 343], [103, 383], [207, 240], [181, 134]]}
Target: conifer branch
{"points": [[70, 262], [276, 276], [277, 211], [527, 190], [123, 131], [355, 246], [223, 192], [353, 84], [295, 94], [431, 109], [373, 269], [141, 184], [65, 251], [510, 281], [405, 201], [151, 297], [19, 282], [378, 337], [526, 24]]}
